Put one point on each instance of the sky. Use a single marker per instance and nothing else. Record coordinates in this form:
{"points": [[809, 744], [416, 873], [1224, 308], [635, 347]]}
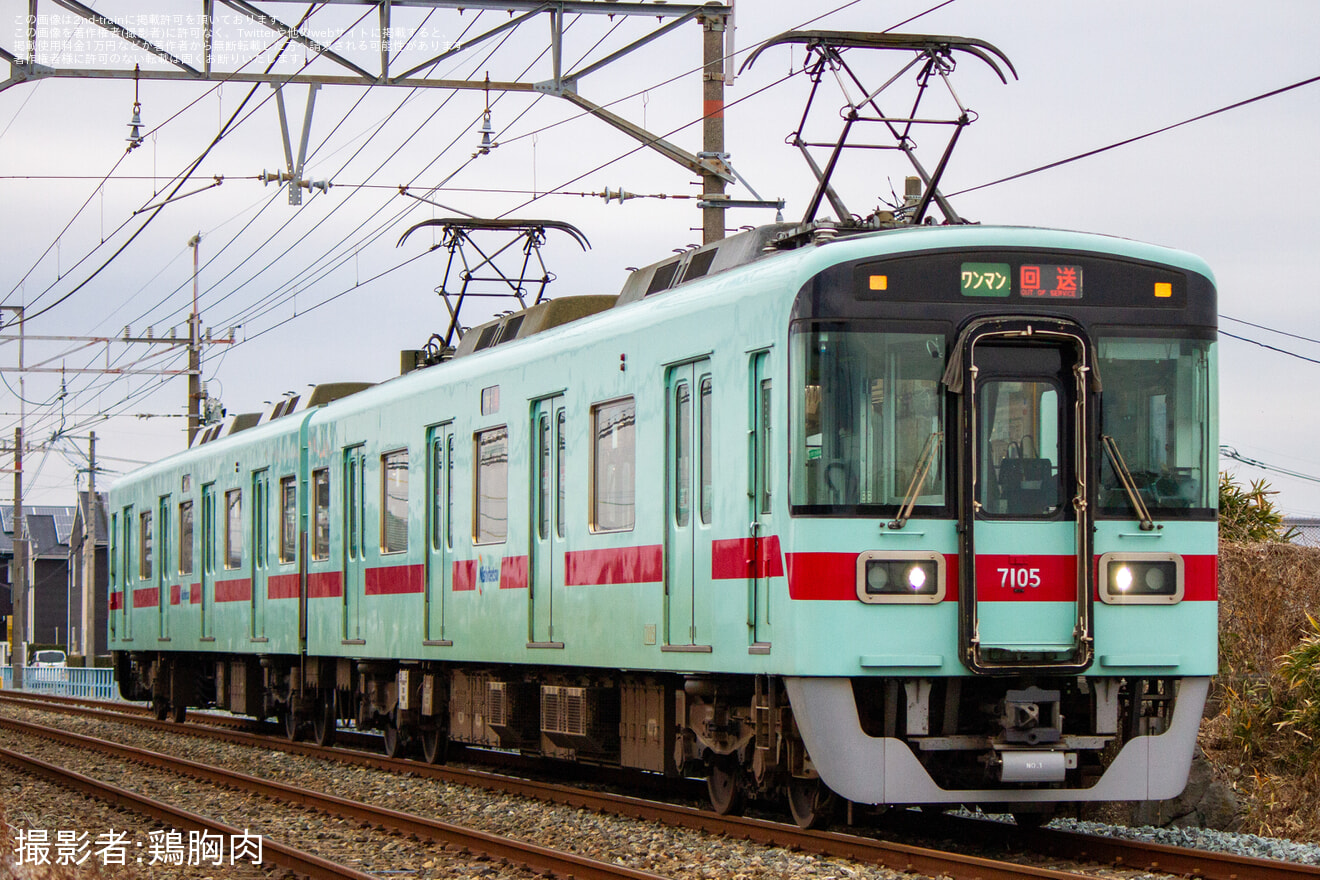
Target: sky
{"points": [[321, 293]]}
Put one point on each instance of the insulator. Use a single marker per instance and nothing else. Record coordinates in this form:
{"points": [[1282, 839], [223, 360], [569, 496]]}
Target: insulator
{"points": [[486, 134], [135, 126]]}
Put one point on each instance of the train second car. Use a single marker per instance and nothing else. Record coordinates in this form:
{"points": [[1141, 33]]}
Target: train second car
{"points": [[910, 516]]}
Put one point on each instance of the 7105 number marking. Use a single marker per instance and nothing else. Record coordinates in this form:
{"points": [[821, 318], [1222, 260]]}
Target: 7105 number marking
{"points": [[1018, 579]]}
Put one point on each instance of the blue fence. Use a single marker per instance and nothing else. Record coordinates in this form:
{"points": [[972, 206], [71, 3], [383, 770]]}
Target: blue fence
{"points": [[91, 684]]}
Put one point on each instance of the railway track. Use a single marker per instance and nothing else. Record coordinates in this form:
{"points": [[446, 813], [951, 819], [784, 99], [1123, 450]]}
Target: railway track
{"points": [[1063, 846], [285, 856]]}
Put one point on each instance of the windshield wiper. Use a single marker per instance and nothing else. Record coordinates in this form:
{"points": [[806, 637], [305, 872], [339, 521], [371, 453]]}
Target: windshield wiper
{"points": [[924, 461], [1129, 485]]}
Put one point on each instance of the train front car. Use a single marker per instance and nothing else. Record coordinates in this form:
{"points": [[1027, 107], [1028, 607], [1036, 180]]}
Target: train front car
{"points": [[1002, 498]]}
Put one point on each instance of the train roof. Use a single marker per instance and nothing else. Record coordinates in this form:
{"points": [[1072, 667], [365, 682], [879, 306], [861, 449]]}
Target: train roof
{"points": [[752, 262]]}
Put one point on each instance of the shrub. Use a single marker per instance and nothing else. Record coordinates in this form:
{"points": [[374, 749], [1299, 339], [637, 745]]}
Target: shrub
{"points": [[1249, 515]]}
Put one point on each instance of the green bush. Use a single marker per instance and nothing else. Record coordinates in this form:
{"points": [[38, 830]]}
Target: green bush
{"points": [[1249, 515], [1300, 668]]}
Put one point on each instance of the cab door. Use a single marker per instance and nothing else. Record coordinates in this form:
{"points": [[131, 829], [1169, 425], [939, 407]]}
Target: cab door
{"points": [[1026, 573], [545, 566]]}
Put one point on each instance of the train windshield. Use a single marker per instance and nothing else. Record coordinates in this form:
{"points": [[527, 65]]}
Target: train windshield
{"points": [[868, 415], [1158, 403]]}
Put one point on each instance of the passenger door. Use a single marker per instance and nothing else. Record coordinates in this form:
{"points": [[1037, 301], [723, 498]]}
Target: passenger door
{"points": [[545, 565], [260, 551], [130, 573], [760, 490], [1030, 533], [440, 530], [208, 561], [687, 505], [354, 508], [163, 573]]}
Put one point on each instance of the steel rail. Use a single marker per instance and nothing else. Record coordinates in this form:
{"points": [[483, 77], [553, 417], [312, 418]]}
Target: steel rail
{"points": [[536, 858], [283, 855], [1128, 854], [896, 856]]}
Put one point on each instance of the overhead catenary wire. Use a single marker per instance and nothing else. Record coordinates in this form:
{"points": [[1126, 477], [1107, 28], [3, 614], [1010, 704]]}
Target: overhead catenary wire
{"points": [[507, 140], [1152, 133]]}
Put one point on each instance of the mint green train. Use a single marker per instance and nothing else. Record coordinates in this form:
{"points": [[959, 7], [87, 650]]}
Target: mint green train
{"points": [[910, 516]]}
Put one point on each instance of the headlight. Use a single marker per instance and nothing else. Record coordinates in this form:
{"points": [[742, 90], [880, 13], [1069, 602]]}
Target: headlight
{"points": [[1141, 578], [900, 577]]}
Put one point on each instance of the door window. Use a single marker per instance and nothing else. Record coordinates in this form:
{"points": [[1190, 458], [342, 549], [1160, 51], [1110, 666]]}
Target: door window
{"points": [[1018, 458]]}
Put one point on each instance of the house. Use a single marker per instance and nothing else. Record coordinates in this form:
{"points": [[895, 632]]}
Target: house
{"points": [[48, 532], [101, 568]]}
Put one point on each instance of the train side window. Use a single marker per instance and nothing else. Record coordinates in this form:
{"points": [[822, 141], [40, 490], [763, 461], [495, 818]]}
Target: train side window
{"points": [[233, 528], [683, 453], [764, 457], [321, 513], [613, 479], [490, 523], [165, 527], [543, 477], [704, 466], [127, 545], [144, 545], [449, 492], [185, 537], [562, 466], [394, 502], [288, 519]]}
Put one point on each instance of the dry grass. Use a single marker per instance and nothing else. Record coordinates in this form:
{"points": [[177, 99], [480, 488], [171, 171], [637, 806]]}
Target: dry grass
{"points": [[1263, 735]]}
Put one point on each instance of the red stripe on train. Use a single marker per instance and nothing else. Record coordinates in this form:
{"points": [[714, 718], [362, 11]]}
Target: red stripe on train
{"points": [[513, 573], [195, 595], [833, 577], [737, 558], [282, 586], [237, 590], [325, 584], [146, 597], [623, 565], [394, 580], [116, 601], [464, 577], [176, 594]]}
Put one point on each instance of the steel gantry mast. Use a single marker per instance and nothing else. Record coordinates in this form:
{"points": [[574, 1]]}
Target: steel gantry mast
{"points": [[716, 19]]}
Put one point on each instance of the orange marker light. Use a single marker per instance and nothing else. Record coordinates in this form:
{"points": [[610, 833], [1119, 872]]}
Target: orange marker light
{"points": [[879, 282], [1163, 289]]}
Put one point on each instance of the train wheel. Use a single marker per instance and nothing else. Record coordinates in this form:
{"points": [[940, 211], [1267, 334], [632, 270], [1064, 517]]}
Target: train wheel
{"points": [[178, 713], [722, 783], [434, 745], [323, 722], [390, 733], [292, 724], [160, 708], [811, 802]]}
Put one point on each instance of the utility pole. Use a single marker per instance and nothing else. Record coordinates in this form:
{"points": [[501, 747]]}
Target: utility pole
{"points": [[18, 581], [194, 353], [89, 558], [712, 125], [18, 584]]}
